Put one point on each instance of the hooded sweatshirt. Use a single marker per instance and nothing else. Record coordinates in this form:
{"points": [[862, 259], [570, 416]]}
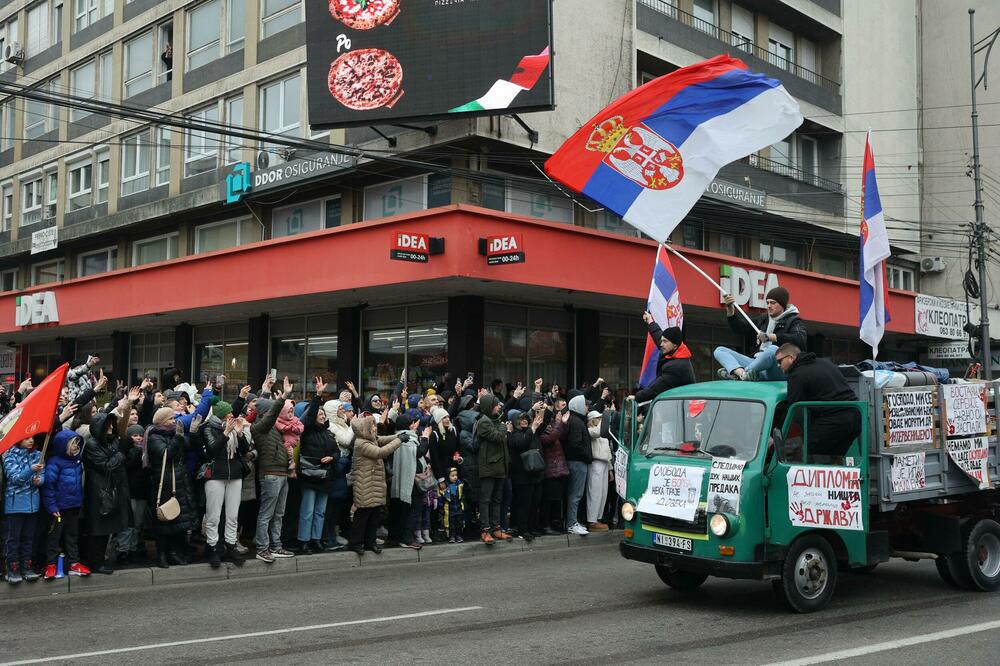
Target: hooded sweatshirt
{"points": [[578, 447], [491, 435]]}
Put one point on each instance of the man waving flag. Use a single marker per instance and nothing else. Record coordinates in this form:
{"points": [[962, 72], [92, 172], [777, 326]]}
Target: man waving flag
{"points": [[651, 154], [665, 306], [874, 311]]}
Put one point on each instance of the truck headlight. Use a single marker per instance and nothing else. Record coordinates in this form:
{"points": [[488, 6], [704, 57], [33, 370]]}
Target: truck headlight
{"points": [[628, 511], [719, 524]]}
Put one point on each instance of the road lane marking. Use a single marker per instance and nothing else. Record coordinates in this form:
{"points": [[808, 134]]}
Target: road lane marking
{"points": [[232, 637], [889, 645]]}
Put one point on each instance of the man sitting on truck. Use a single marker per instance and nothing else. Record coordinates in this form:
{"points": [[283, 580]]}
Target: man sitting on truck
{"points": [[781, 324], [831, 430], [674, 367]]}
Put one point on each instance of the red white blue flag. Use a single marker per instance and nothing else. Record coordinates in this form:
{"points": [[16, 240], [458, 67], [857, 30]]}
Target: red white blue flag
{"points": [[651, 154], [665, 306], [874, 311]]}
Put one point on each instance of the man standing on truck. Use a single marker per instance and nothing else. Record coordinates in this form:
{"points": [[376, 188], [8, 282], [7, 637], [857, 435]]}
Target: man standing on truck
{"points": [[830, 429], [781, 325], [674, 367]]}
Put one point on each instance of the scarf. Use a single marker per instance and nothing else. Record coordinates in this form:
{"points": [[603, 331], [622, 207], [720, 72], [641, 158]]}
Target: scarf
{"points": [[772, 323], [404, 469]]}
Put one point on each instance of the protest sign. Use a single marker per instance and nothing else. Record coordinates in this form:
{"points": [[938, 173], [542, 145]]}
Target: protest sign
{"points": [[971, 454], [907, 472], [825, 497], [909, 417], [673, 491], [965, 409], [724, 483], [621, 471]]}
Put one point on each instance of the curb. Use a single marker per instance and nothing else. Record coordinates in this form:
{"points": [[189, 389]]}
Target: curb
{"points": [[252, 568]]}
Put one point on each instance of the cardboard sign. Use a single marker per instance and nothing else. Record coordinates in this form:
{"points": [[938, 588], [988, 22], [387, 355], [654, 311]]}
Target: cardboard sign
{"points": [[825, 497], [907, 472], [910, 417], [407, 246], [673, 491], [506, 249], [972, 454], [621, 471], [724, 483], [965, 409]]}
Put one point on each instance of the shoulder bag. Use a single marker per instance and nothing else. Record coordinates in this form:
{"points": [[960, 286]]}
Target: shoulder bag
{"points": [[532, 461], [314, 471], [170, 509]]}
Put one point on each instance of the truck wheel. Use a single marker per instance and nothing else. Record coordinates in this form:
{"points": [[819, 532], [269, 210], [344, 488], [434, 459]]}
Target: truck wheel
{"points": [[683, 581], [944, 570], [982, 555], [809, 574]]}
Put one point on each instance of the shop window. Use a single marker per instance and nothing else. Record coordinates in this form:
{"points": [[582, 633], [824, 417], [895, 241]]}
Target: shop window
{"points": [[333, 212], [278, 15], [305, 216], [518, 354], [494, 195], [8, 280], [554, 207], [100, 261], [427, 354], [79, 193], [222, 235], [384, 359], [836, 265], [151, 355], [395, 198], [229, 359], [45, 273], [729, 245], [160, 248], [99, 346], [300, 358], [609, 221]]}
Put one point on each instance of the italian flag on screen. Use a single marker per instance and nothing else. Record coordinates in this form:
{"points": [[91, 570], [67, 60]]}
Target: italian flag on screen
{"points": [[502, 93]]}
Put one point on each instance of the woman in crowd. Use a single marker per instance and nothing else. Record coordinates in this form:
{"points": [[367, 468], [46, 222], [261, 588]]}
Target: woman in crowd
{"points": [[318, 453], [368, 473], [165, 448], [106, 498], [556, 471], [226, 440], [522, 437]]}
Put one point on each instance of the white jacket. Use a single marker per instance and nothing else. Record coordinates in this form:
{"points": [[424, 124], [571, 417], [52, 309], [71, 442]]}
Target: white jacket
{"points": [[600, 447]]}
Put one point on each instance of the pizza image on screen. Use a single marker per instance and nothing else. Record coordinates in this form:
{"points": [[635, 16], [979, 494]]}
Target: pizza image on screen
{"points": [[364, 14], [366, 79]]}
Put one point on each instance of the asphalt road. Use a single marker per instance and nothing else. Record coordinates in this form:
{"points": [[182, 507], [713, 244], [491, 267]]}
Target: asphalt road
{"points": [[576, 605]]}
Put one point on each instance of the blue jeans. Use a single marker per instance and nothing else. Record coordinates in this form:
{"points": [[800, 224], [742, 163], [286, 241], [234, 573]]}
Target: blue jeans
{"points": [[578, 472], [312, 514], [762, 363], [273, 493]]}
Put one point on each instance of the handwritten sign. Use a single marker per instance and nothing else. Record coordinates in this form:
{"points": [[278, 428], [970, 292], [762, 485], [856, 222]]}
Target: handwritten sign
{"points": [[825, 497], [621, 471], [910, 417], [724, 483], [673, 491], [972, 454], [965, 409], [907, 472]]}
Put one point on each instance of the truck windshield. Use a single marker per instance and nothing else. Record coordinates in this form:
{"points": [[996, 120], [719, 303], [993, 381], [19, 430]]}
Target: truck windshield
{"points": [[722, 428]]}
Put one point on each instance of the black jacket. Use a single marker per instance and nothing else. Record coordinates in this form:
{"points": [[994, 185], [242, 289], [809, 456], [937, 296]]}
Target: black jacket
{"points": [[577, 445], [442, 450], [789, 328], [831, 429], [166, 443], [138, 476], [316, 443], [672, 370], [105, 487], [519, 441], [216, 445]]}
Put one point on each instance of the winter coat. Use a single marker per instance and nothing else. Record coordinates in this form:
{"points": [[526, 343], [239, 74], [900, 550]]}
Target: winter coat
{"points": [[317, 442], [368, 466], [577, 443], [164, 443], [78, 380], [469, 450], [21, 495], [272, 458], [212, 438], [519, 441], [600, 447], [672, 370], [105, 486], [552, 450], [139, 483], [444, 446], [494, 459], [344, 435], [63, 488], [789, 327], [831, 429]]}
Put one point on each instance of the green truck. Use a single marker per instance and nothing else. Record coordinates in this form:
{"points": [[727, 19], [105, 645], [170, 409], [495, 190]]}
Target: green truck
{"points": [[719, 481]]}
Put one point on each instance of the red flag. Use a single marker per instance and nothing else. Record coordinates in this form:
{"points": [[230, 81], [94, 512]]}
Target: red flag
{"points": [[35, 414]]}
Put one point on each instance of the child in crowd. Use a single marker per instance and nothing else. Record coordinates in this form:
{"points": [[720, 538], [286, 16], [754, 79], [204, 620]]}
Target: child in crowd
{"points": [[428, 505], [291, 429], [452, 496], [62, 496], [22, 465]]}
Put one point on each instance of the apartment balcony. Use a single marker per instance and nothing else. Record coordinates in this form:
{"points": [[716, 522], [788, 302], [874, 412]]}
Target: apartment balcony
{"points": [[665, 21], [790, 183]]}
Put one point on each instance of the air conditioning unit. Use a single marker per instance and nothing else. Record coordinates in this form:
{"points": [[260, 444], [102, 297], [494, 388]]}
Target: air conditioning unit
{"points": [[13, 53], [932, 265], [50, 212]]}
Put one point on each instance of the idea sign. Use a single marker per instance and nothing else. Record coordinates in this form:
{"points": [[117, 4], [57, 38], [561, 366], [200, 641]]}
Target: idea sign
{"points": [[408, 246], [506, 249]]}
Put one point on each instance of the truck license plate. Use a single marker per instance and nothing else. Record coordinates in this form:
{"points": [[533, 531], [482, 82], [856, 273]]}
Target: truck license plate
{"points": [[670, 541]]}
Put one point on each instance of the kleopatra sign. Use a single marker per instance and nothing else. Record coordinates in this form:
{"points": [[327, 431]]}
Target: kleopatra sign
{"points": [[408, 246], [506, 249]]}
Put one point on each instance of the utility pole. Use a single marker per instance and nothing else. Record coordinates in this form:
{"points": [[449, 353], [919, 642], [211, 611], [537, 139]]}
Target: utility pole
{"points": [[980, 232]]}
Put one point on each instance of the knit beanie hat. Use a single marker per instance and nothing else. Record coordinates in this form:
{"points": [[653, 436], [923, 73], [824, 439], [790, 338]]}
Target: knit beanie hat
{"points": [[413, 400], [779, 294], [300, 409], [674, 335], [439, 414], [162, 415], [222, 409], [135, 430]]}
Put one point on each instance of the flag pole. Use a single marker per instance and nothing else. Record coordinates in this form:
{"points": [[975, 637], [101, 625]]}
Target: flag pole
{"points": [[714, 283]]}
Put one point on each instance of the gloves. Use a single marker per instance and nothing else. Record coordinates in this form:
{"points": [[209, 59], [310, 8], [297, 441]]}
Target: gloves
{"points": [[404, 437]]}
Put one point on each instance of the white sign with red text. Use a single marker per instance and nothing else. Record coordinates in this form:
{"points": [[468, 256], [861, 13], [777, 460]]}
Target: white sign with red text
{"points": [[673, 491], [972, 455], [825, 497], [965, 409]]}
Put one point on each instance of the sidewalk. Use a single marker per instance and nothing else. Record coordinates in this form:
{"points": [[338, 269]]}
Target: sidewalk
{"points": [[144, 577]]}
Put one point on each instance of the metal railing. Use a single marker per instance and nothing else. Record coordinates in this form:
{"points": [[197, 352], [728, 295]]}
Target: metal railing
{"points": [[741, 43], [792, 172]]}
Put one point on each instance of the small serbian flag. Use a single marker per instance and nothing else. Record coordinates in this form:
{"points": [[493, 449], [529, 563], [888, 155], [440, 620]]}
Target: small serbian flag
{"points": [[874, 301], [33, 415], [665, 306], [651, 154]]}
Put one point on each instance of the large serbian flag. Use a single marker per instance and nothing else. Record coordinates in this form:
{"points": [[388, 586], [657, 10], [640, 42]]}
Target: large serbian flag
{"points": [[33, 415], [651, 154], [665, 306], [874, 301]]}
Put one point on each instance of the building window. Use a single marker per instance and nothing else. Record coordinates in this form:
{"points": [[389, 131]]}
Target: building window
{"points": [[514, 354], [808, 158], [780, 45], [51, 194], [395, 198], [135, 163], [693, 236], [51, 271], [103, 175], [234, 118], [8, 35], [39, 116], [781, 152], [8, 207], [82, 83], [235, 24], [203, 34], [100, 261], [837, 265], [302, 217], [704, 16], [150, 356], [785, 254], [104, 76], [138, 64], [300, 356], [31, 201], [901, 278], [159, 248], [163, 155], [729, 245], [8, 280], [87, 12], [39, 29], [9, 134], [743, 28], [222, 235], [278, 15], [201, 150], [279, 113], [80, 190]]}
